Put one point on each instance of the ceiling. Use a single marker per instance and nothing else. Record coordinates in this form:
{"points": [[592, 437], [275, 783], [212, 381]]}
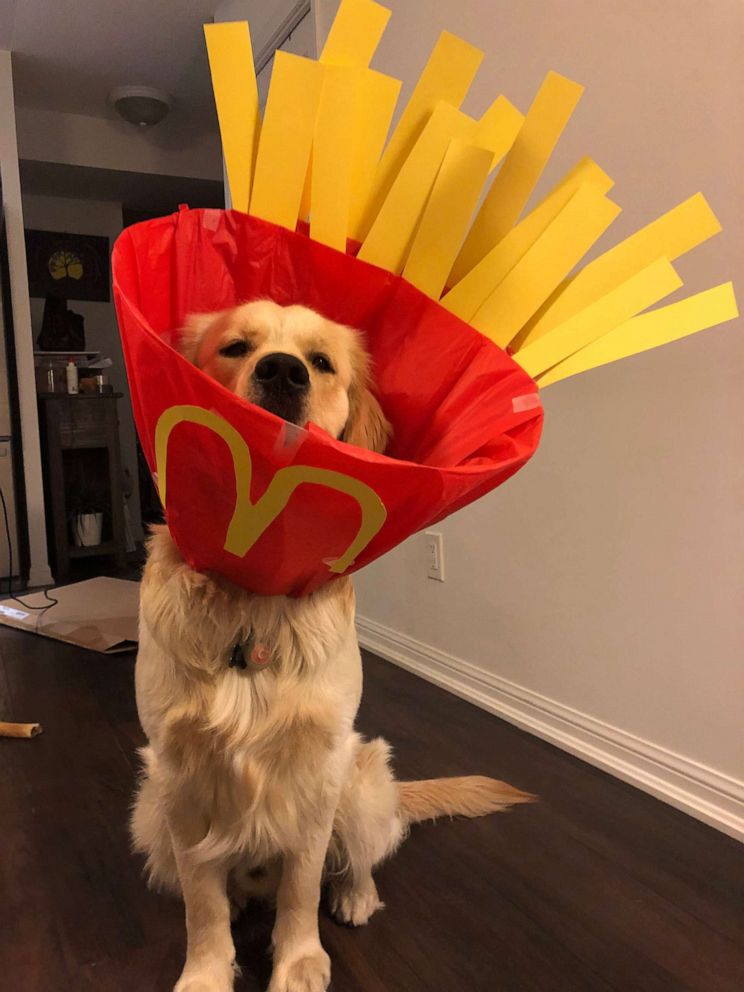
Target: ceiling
{"points": [[68, 54]]}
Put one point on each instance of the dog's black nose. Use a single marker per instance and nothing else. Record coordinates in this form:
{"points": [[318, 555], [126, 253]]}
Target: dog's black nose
{"points": [[282, 371]]}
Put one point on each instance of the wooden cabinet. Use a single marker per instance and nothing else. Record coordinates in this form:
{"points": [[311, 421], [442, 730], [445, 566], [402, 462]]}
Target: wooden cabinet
{"points": [[81, 454]]}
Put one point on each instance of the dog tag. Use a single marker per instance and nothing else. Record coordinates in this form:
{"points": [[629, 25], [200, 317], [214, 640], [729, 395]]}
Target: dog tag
{"points": [[260, 655], [249, 654]]}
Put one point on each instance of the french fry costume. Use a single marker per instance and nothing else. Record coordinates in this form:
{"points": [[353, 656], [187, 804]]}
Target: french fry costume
{"points": [[470, 304]]}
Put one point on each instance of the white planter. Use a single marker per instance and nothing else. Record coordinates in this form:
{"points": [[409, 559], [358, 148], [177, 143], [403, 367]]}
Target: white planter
{"points": [[86, 529]]}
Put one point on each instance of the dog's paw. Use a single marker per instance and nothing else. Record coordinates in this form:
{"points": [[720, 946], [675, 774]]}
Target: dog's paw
{"points": [[218, 978], [354, 905], [309, 973], [195, 985]]}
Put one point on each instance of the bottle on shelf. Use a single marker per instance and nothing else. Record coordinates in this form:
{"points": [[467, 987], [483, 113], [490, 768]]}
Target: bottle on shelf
{"points": [[72, 377]]}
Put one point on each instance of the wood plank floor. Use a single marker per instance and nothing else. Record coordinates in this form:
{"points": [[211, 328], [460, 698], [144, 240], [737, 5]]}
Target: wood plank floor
{"points": [[596, 887]]}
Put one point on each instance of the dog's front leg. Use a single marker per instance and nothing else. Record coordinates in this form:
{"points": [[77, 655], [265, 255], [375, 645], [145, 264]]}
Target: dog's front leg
{"points": [[300, 963], [210, 953]]}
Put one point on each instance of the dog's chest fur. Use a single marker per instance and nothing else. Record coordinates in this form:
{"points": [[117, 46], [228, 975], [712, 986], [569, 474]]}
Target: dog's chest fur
{"points": [[251, 749]]}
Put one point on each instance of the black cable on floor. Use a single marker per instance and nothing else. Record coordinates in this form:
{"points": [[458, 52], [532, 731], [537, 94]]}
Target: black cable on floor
{"points": [[26, 606]]}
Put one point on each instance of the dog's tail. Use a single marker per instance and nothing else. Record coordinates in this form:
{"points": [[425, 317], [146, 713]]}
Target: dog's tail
{"points": [[471, 795]]}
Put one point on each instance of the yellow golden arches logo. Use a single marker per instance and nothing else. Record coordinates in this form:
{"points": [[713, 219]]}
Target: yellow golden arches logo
{"points": [[250, 520]]}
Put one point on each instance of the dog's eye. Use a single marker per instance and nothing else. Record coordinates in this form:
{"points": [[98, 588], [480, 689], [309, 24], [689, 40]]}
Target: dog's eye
{"points": [[321, 362], [236, 349]]}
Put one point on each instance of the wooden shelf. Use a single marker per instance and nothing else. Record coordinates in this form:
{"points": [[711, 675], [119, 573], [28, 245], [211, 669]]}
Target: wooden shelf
{"points": [[71, 426], [106, 548], [73, 397]]}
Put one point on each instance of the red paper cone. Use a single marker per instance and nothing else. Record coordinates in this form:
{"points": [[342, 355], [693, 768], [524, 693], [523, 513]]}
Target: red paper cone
{"points": [[279, 509]]}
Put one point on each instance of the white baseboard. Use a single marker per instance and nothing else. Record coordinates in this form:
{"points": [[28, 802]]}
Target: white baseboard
{"points": [[696, 789]]}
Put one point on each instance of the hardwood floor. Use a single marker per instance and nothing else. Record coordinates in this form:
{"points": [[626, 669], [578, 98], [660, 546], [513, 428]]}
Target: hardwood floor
{"points": [[596, 887]]}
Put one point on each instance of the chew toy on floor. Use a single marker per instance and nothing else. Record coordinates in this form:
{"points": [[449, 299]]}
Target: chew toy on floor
{"points": [[22, 730]]}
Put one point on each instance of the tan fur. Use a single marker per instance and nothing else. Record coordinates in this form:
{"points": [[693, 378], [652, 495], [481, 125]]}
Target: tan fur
{"points": [[471, 795], [255, 782], [341, 402]]}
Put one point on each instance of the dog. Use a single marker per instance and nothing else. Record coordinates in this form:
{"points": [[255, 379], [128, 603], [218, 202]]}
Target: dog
{"points": [[254, 781]]}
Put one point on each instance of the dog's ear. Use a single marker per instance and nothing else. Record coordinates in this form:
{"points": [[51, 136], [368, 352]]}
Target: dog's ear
{"points": [[192, 333], [367, 426]]}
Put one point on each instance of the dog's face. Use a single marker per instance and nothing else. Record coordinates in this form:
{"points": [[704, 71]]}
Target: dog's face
{"points": [[294, 363]]}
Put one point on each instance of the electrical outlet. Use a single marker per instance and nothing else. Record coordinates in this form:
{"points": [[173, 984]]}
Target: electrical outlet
{"points": [[434, 555]]}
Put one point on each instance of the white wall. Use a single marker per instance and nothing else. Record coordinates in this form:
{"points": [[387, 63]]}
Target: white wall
{"points": [[55, 213], [597, 597], [13, 209]]}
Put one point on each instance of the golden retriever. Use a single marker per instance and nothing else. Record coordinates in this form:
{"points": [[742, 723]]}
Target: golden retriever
{"points": [[254, 779]]}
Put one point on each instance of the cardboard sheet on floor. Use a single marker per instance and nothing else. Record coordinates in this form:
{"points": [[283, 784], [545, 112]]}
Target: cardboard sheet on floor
{"points": [[98, 614]]}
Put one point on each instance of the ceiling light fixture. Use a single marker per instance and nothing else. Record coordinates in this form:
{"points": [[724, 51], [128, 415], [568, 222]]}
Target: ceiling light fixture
{"points": [[141, 105]]}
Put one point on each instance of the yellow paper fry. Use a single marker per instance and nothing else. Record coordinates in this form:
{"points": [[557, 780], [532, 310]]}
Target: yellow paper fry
{"points": [[563, 243], [641, 290], [498, 128], [377, 100], [304, 212], [286, 138], [547, 117], [333, 156], [465, 298], [447, 76], [650, 330], [448, 211], [355, 33], [236, 96], [670, 235], [352, 40], [391, 234]]}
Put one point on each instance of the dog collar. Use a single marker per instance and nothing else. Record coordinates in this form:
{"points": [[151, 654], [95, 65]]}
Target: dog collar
{"points": [[250, 654]]}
